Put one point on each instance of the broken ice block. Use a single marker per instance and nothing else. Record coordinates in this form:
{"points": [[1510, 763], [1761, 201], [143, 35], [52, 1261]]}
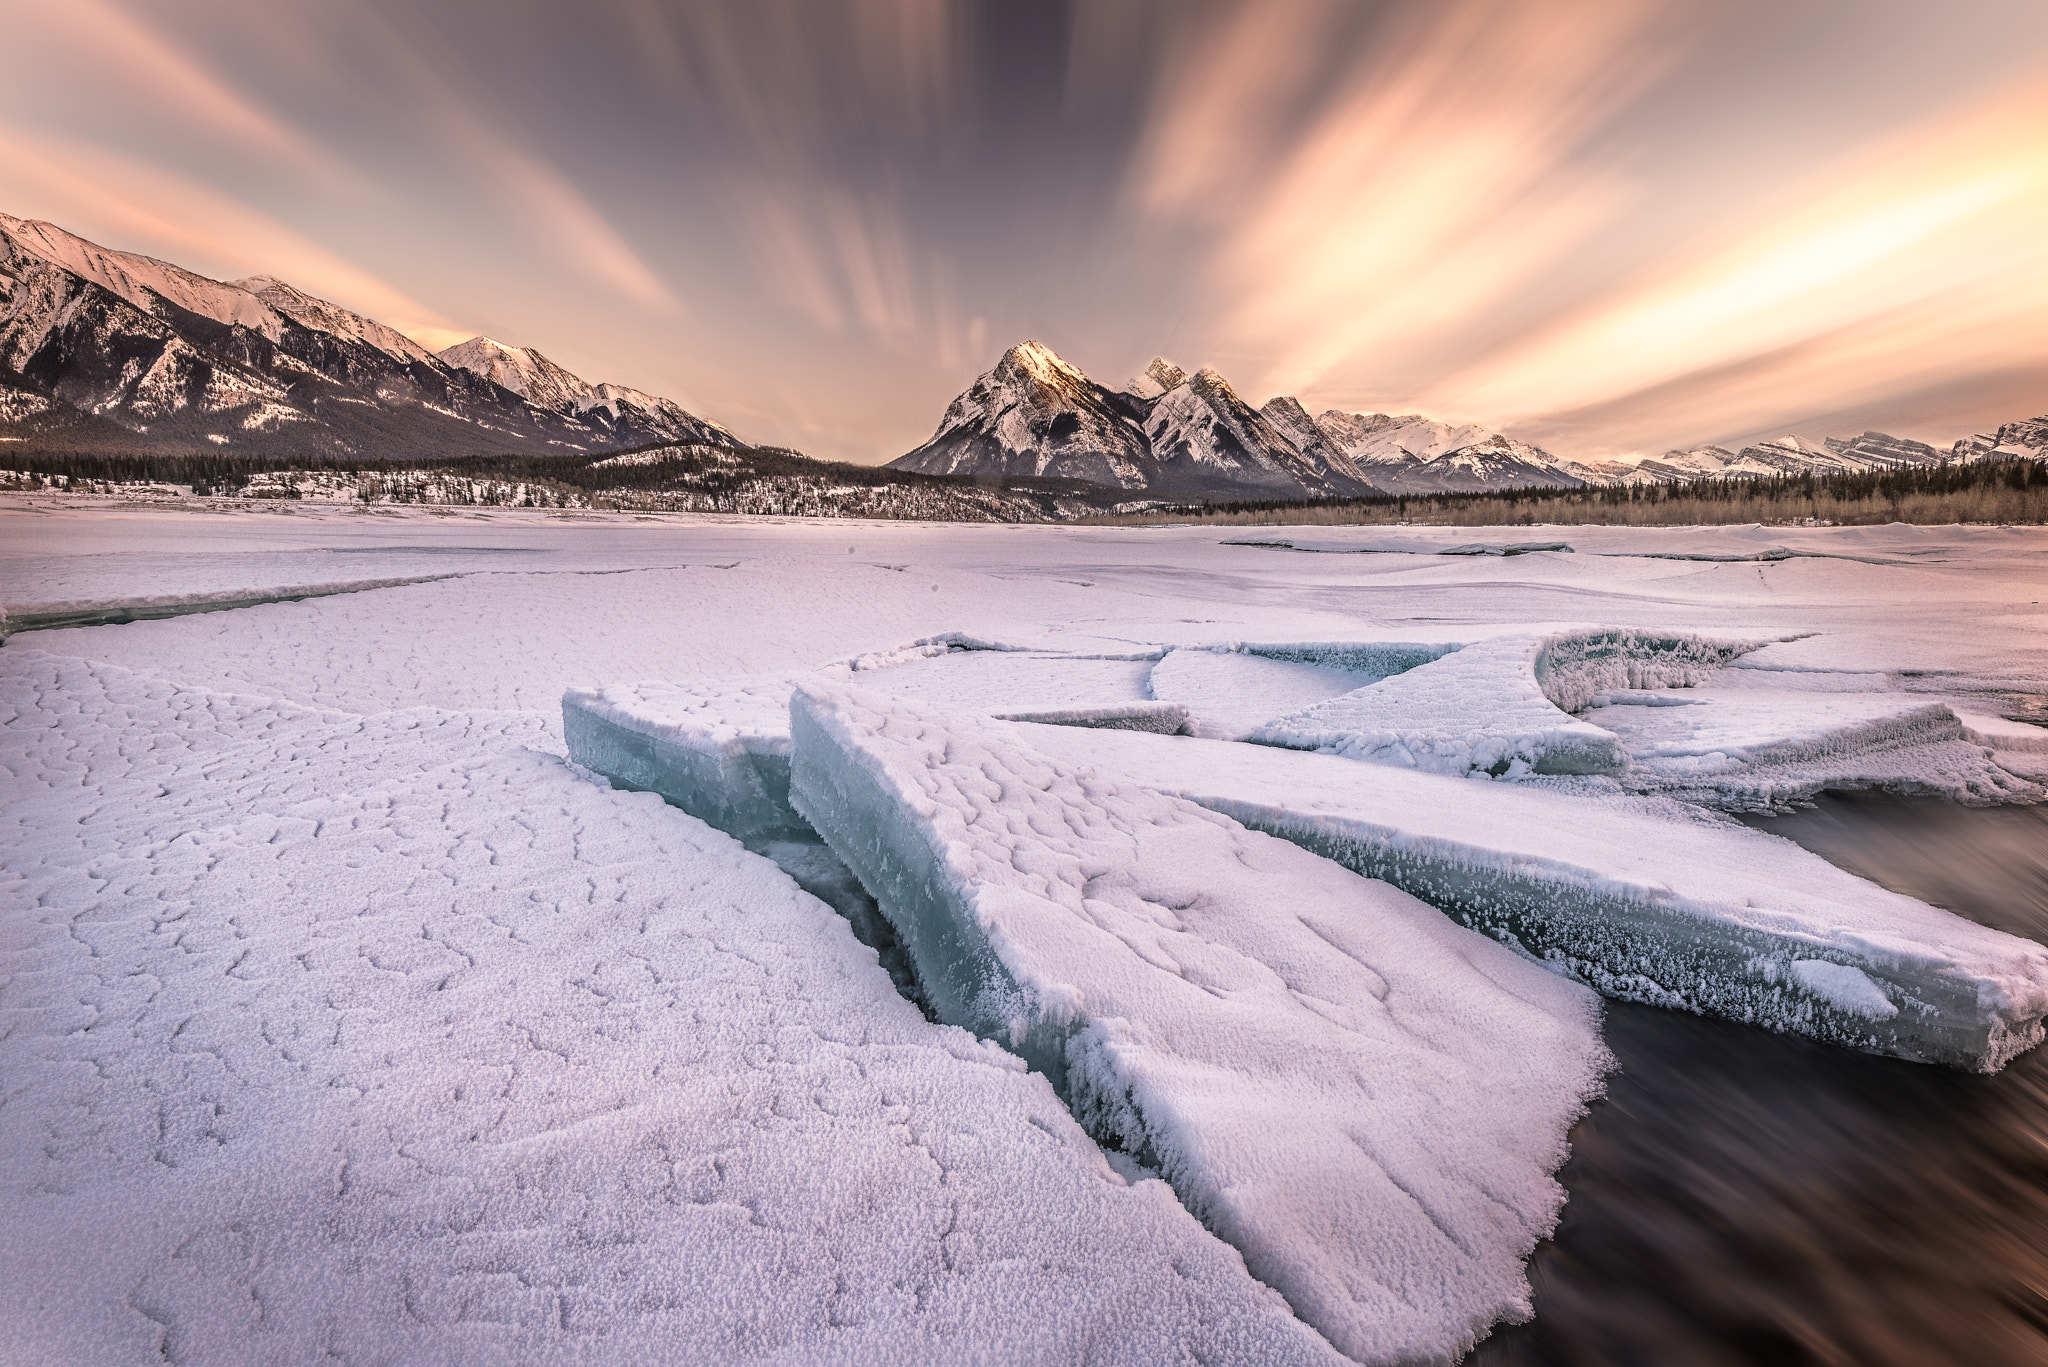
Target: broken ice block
{"points": [[1501, 706], [1367, 1100], [1647, 900]]}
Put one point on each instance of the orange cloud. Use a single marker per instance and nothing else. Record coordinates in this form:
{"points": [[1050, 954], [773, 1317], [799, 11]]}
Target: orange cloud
{"points": [[1925, 260], [133, 205], [1436, 181]]}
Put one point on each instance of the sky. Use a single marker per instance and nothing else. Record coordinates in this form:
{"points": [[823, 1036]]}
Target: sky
{"points": [[1610, 227]]}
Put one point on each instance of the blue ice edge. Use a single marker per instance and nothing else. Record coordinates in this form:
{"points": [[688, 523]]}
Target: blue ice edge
{"points": [[1689, 915]]}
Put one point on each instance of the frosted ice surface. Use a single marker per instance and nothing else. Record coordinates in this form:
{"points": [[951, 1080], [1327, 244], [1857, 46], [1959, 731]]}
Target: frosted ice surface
{"points": [[1848, 988], [1500, 706], [1367, 1100], [1000, 680], [1727, 730], [1749, 747], [1648, 900], [391, 1038], [1230, 693], [2001, 733]]}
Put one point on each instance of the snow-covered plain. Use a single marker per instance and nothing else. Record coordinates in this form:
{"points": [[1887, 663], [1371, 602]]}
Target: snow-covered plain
{"points": [[345, 1017]]}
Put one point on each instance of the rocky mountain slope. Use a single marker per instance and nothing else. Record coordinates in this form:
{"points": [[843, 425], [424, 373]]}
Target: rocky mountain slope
{"points": [[1178, 435], [103, 350]]}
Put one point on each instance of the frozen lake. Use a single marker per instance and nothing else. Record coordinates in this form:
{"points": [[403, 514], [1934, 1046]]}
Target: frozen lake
{"points": [[346, 1016]]}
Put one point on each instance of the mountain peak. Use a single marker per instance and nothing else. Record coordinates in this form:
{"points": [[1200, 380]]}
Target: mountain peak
{"points": [[1040, 362], [1156, 378]]}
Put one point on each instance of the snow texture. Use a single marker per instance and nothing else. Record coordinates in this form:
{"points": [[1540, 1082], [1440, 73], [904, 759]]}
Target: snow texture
{"points": [[140, 838], [1647, 900], [393, 1039], [1748, 748], [1232, 691], [1499, 706], [1363, 1098]]}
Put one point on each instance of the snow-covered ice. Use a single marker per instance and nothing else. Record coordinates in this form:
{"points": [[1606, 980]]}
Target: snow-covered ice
{"points": [[392, 1038], [351, 782], [1648, 900], [1365, 1099], [1748, 747], [1232, 690], [1500, 706]]}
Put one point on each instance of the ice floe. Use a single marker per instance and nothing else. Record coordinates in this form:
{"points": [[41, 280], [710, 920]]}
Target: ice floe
{"points": [[1365, 1099], [1648, 900], [1501, 706], [1232, 690], [1753, 748]]}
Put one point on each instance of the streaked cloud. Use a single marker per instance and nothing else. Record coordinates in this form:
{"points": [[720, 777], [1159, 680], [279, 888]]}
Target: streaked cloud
{"points": [[122, 201], [134, 64], [1433, 181], [1618, 224], [1923, 259]]}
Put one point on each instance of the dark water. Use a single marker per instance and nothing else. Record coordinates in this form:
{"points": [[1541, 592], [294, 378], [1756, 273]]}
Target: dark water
{"points": [[1742, 1197]]}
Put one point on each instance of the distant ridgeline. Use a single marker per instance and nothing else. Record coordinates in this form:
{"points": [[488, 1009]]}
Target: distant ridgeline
{"points": [[1190, 438]]}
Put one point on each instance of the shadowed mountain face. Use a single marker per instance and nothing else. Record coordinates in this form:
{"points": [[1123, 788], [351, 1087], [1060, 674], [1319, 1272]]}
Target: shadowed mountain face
{"points": [[1190, 436], [106, 350]]}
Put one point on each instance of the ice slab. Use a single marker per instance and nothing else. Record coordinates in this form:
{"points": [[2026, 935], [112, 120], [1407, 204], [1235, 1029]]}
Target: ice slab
{"points": [[1365, 1099], [1750, 748], [1500, 706], [992, 680], [1648, 900], [1232, 690], [2001, 733], [717, 748]]}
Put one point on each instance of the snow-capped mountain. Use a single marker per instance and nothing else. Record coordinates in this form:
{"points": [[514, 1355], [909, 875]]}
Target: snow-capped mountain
{"points": [[2027, 438], [1158, 377], [1166, 432], [1204, 435], [1190, 436], [101, 349], [1412, 454], [1793, 456], [1034, 414], [542, 383]]}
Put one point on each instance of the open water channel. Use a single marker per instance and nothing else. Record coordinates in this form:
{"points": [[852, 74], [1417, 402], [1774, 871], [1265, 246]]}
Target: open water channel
{"points": [[1746, 1197]]}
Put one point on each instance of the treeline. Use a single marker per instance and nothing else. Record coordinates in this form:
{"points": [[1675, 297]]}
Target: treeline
{"points": [[2003, 491], [711, 470]]}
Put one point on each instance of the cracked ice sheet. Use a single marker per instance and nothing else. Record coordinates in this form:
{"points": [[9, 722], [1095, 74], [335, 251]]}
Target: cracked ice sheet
{"points": [[1364, 1098], [799, 598], [1649, 899], [394, 1039]]}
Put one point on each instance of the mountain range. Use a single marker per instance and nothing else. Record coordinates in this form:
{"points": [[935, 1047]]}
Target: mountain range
{"points": [[1175, 435], [114, 353], [109, 350]]}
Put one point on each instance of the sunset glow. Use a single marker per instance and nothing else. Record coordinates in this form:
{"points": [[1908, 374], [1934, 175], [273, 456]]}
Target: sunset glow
{"points": [[1611, 226]]}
